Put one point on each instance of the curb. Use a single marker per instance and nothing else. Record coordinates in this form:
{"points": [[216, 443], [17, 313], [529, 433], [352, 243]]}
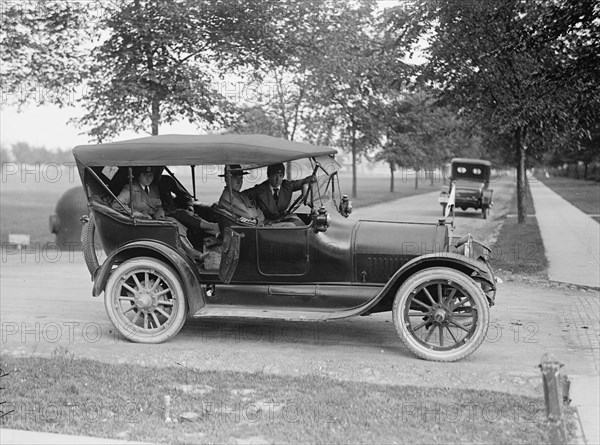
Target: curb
{"points": [[508, 277], [22, 437], [584, 394]]}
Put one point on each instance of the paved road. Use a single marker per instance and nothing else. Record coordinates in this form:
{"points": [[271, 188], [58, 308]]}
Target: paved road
{"points": [[43, 311]]}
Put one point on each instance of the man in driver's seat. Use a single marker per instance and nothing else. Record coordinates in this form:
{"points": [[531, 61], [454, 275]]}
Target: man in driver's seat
{"points": [[274, 195]]}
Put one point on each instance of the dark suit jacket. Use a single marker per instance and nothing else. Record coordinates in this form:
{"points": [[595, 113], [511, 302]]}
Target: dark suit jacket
{"points": [[262, 196], [139, 200]]}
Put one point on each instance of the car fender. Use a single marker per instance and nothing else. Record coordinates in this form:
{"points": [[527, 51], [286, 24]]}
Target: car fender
{"points": [[473, 268], [486, 199], [190, 280], [468, 266]]}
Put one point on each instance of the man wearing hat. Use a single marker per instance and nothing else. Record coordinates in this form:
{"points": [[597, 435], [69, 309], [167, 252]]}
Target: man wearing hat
{"points": [[143, 196], [274, 195], [237, 202]]}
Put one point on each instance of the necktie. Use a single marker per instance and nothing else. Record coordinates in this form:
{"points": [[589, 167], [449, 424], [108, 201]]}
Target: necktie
{"points": [[275, 194], [147, 189]]}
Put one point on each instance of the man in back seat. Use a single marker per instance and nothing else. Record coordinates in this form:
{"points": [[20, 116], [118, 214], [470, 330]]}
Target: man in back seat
{"points": [[142, 197]]}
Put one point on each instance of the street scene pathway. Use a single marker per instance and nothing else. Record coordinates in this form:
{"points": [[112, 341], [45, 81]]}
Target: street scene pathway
{"points": [[571, 238], [572, 245], [46, 305]]}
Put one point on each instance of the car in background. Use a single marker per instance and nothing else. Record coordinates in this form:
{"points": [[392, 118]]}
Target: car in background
{"points": [[331, 266], [470, 179]]}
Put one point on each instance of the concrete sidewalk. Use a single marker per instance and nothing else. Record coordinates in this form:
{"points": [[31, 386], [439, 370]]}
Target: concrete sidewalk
{"points": [[571, 238], [572, 244], [13, 437]]}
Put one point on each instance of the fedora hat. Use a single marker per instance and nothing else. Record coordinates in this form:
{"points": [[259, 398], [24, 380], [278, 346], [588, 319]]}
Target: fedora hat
{"points": [[234, 170]]}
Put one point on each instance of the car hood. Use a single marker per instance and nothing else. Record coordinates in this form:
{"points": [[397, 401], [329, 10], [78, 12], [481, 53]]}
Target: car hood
{"points": [[382, 247]]}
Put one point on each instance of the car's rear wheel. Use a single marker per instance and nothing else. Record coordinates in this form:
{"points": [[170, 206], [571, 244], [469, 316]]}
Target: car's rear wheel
{"points": [[441, 314], [144, 300]]}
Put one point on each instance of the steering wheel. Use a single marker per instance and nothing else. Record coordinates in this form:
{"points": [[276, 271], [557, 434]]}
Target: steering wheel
{"points": [[302, 199]]}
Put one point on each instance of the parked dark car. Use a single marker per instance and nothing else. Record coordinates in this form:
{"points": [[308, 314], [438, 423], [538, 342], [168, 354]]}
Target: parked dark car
{"points": [[331, 267], [471, 180]]}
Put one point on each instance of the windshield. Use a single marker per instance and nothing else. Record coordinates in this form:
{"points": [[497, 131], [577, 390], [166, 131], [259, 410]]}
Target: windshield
{"points": [[327, 187], [470, 172]]}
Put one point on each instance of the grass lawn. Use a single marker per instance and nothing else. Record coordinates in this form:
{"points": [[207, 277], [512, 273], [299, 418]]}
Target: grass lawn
{"points": [[519, 247], [28, 197], [73, 396], [585, 195], [373, 189]]}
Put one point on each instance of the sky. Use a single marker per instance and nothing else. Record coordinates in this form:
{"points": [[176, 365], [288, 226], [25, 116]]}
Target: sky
{"points": [[48, 125]]}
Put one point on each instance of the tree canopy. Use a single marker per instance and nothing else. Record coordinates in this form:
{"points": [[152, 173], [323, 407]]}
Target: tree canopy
{"points": [[41, 57], [494, 61]]}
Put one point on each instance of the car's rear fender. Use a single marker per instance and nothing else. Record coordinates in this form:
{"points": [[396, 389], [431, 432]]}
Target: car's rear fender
{"points": [[190, 280], [478, 270]]}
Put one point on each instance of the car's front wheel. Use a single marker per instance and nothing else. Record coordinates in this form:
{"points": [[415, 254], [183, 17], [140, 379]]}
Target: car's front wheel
{"points": [[145, 301], [441, 314]]}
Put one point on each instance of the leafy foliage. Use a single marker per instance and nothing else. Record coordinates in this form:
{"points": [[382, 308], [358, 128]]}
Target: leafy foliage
{"points": [[41, 51], [153, 68]]}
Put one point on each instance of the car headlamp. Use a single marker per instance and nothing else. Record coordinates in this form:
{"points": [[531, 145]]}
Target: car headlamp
{"points": [[322, 220]]}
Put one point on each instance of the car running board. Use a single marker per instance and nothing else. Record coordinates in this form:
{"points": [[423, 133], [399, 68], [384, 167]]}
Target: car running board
{"points": [[262, 313]]}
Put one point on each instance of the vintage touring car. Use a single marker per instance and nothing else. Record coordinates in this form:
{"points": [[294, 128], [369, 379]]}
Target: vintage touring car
{"points": [[329, 267], [471, 180]]}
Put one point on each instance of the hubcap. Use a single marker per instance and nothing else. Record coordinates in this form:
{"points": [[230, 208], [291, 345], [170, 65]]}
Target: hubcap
{"points": [[145, 301], [439, 315]]}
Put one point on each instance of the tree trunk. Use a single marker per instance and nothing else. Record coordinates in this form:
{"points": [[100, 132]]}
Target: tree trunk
{"points": [[155, 116], [520, 149], [416, 179], [585, 171], [354, 163], [391, 177]]}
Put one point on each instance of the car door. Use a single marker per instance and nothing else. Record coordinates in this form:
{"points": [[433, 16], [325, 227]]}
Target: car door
{"points": [[230, 255], [282, 251]]}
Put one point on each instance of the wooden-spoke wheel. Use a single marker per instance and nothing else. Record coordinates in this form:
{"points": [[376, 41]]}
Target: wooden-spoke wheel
{"points": [[144, 300], [441, 314]]}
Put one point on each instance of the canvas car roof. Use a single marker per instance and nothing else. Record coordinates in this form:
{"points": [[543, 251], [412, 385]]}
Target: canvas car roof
{"points": [[179, 149]]}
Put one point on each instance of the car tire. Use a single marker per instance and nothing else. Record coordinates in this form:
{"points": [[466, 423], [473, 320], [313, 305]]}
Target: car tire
{"points": [[145, 301], [88, 247], [461, 315]]}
